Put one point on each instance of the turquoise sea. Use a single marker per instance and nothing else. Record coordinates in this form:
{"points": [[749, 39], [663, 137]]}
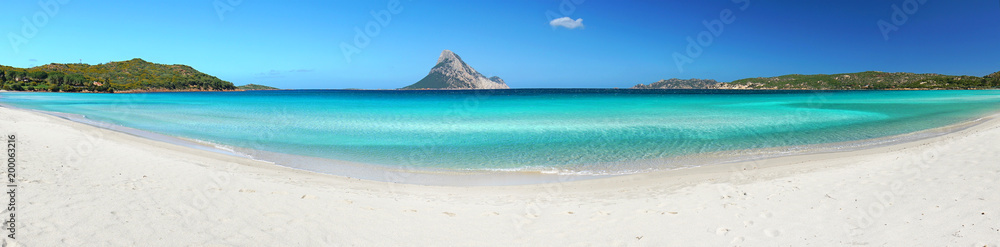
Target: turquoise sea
{"points": [[585, 131]]}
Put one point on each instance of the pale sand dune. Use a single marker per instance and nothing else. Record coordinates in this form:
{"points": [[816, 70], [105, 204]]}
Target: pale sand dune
{"points": [[85, 186]]}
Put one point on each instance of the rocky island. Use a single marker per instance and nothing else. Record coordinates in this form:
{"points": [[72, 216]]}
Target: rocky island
{"points": [[451, 72]]}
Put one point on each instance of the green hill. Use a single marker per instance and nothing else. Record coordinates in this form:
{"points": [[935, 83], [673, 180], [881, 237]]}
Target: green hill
{"points": [[255, 87], [867, 80], [131, 75], [993, 79]]}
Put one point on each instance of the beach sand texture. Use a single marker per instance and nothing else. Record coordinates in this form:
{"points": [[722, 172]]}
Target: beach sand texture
{"points": [[81, 185]]}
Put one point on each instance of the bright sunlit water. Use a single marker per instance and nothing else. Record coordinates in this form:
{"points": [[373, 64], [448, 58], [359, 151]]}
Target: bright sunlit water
{"points": [[595, 131]]}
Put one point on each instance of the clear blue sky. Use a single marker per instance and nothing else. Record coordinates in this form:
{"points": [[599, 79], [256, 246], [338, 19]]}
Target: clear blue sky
{"points": [[297, 44]]}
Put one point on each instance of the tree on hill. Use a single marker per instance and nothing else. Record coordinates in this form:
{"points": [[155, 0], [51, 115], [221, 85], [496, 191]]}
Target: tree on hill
{"points": [[38, 75], [15, 75]]}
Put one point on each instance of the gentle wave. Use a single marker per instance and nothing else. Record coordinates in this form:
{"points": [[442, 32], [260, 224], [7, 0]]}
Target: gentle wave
{"points": [[554, 132]]}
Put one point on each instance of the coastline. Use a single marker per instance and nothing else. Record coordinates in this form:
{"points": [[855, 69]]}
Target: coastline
{"points": [[447, 177], [87, 185], [135, 91], [341, 168], [526, 176]]}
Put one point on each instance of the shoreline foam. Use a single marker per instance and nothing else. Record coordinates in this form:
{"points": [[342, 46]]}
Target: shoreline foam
{"points": [[519, 176], [130, 191]]}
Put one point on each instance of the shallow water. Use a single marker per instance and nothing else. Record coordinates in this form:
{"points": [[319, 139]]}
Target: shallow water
{"points": [[596, 131]]}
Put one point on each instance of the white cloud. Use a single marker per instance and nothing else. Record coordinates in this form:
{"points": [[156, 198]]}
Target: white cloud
{"points": [[567, 23]]}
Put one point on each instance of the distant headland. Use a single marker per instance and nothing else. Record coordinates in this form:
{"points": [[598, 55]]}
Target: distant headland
{"points": [[450, 72], [255, 87], [134, 75], [871, 80]]}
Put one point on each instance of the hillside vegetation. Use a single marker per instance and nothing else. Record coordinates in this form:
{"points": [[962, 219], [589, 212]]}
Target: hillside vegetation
{"points": [[679, 84], [870, 80], [131, 75], [993, 79], [867, 80]]}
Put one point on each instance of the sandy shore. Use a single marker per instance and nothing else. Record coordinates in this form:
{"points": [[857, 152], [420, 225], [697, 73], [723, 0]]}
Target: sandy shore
{"points": [[80, 185]]}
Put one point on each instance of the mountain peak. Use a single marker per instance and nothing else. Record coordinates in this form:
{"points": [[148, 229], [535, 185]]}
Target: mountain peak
{"points": [[451, 72], [448, 55]]}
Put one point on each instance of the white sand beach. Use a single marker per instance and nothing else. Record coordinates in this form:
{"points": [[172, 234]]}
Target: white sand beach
{"points": [[80, 185]]}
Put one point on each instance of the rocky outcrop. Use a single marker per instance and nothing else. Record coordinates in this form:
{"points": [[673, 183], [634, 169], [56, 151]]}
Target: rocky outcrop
{"points": [[451, 72]]}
